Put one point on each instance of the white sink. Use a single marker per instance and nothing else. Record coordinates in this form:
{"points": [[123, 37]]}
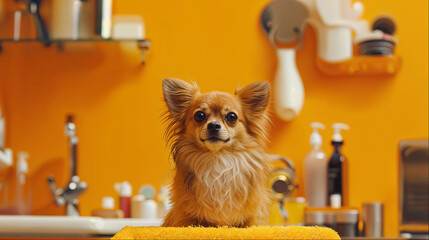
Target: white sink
{"points": [[67, 226]]}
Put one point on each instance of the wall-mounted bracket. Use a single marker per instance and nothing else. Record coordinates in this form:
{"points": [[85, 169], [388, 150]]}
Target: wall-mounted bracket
{"points": [[144, 46]]}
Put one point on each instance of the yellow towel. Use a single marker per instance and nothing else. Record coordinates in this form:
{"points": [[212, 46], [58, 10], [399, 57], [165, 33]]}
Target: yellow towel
{"points": [[259, 232]]}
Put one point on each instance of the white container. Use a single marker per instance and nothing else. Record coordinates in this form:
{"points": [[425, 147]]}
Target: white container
{"points": [[128, 27], [137, 206], [315, 170], [143, 208], [150, 209], [106, 18], [108, 209], [335, 21]]}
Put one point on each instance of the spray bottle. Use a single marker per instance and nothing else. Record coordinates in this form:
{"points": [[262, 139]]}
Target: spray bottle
{"points": [[315, 180], [337, 166]]}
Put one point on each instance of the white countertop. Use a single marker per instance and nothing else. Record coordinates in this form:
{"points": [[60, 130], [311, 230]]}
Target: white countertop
{"points": [[65, 225]]}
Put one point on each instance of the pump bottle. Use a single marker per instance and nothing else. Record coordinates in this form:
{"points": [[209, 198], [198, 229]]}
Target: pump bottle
{"points": [[315, 164], [337, 167]]}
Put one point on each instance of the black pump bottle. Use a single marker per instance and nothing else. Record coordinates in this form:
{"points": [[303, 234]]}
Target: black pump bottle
{"points": [[338, 167]]}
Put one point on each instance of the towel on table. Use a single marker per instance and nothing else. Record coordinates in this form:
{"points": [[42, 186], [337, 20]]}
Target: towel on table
{"points": [[255, 232]]}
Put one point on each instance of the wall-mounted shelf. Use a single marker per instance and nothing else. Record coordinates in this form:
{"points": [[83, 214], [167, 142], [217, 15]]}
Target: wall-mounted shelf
{"points": [[143, 44], [362, 66]]}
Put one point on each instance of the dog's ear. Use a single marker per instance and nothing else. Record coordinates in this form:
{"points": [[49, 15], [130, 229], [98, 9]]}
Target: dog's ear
{"points": [[255, 99], [178, 96]]}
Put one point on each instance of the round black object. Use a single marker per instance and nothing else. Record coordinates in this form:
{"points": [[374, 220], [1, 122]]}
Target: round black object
{"points": [[280, 186], [376, 47], [384, 24]]}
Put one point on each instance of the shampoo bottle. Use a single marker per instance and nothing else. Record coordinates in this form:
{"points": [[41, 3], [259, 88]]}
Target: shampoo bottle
{"points": [[337, 167], [315, 163]]}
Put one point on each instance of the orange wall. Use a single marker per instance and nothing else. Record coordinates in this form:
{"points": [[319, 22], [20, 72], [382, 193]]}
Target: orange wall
{"points": [[219, 44]]}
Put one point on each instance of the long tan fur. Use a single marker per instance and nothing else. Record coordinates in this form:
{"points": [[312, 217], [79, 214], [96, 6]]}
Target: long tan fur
{"points": [[218, 184]]}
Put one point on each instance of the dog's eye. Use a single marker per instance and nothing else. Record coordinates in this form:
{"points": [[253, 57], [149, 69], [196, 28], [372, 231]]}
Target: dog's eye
{"points": [[231, 117], [199, 116]]}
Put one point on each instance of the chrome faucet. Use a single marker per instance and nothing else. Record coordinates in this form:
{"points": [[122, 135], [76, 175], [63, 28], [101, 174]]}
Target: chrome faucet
{"points": [[68, 194]]}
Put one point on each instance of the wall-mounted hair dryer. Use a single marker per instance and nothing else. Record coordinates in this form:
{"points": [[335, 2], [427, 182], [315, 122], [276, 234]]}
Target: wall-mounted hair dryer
{"points": [[286, 28], [334, 20]]}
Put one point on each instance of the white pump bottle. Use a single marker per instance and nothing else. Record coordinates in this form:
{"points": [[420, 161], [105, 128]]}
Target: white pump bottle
{"points": [[315, 170]]}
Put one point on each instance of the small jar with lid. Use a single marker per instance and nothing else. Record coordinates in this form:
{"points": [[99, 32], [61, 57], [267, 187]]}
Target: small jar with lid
{"points": [[108, 209]]}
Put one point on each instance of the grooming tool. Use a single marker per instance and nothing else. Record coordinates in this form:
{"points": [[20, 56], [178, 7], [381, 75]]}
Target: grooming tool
{"points": [[283, 21]]}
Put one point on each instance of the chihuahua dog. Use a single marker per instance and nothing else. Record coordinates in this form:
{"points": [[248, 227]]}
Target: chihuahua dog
{"points": [[217, 142]]}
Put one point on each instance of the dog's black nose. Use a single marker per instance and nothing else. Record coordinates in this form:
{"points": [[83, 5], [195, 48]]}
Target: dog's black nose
{"points": [[213, 127]]}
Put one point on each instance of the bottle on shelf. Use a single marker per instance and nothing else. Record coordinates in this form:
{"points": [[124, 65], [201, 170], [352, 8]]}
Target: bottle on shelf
{"points": [[315, 170], [125, 190], [338, 167]]}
